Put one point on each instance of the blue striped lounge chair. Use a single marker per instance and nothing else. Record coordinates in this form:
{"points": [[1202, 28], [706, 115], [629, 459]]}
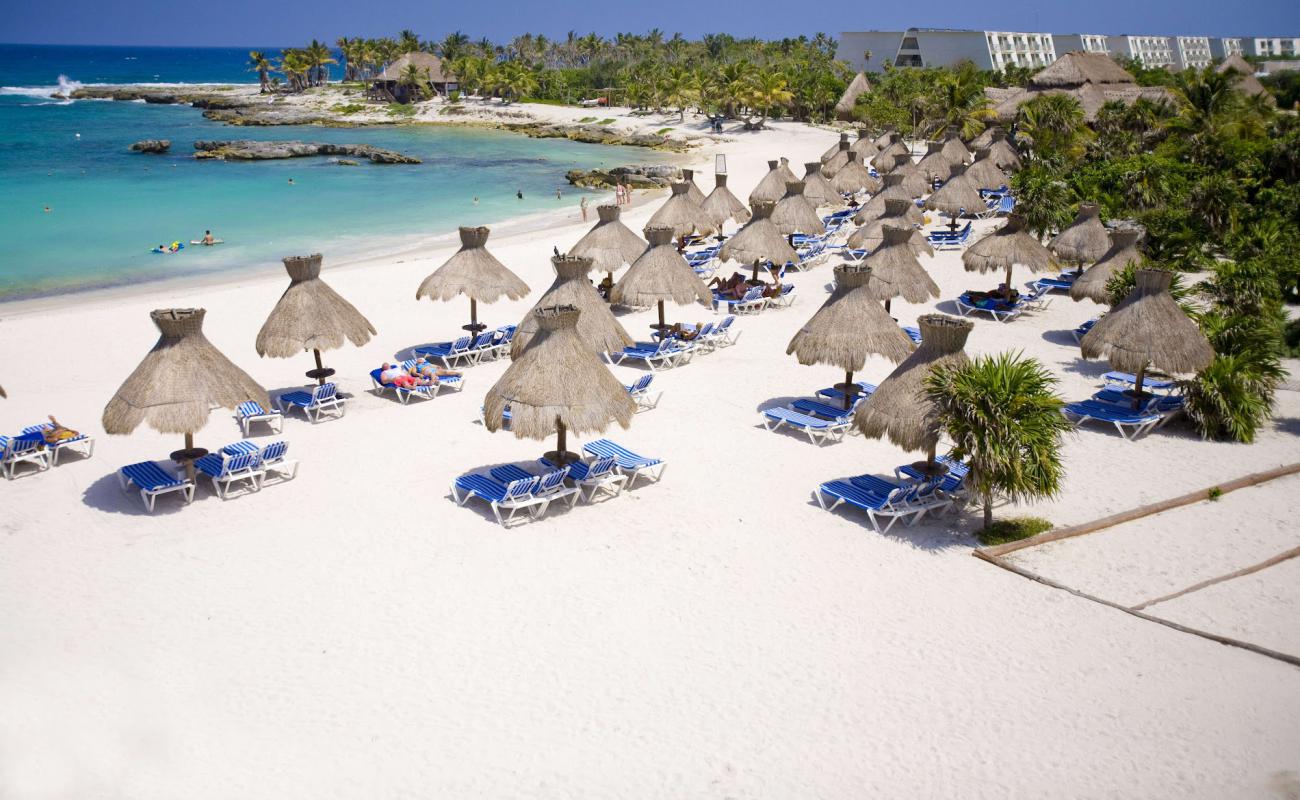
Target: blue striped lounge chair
{"points": [[449, 353], [722, 335], [881, 499], [594, 477], [153, 481], [456, 382], [783, 300], [1060, 284], [835, 393], [952, 484], [319, 400], [1083, 329], [819, 431], [80, 443], [504, 336], [817, 408], [1128, 380], [251, 411], [1131, 424], [402, 393], [751, 302], [483, 347], [273, 459], [640, 392], [511, 497], [223, 470], [550, 484], [997, 309], [630, 464], [17, 450], [912, 333], [666, 354]]}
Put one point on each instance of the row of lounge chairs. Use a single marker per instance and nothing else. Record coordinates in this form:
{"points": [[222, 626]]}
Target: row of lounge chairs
{"points": [[1115, 407], [1002, 311], [823, 419], [242, 462], [909, 497], [671, 351], [405, 393], [949, 240], [30, 447], [607, 469], [755, 300], [639, 391], [468, 351]]}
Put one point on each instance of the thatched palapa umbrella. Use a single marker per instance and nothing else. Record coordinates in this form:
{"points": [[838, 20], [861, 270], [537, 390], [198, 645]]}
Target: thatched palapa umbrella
{"points": [[772, 186], [1123, 251], [795, 214], [853, 178], [683, 214], [856, 88], [817, 189], [898, 214], [660, 274], [1006, 247], [759, 242], [959, 195], [899, 409], [935, 165], [886, 137], [693, 191], [841, 157], [954, 148], [1148, 329], [896, 270], [609, 244], [865, 147], [914, 180], [598, 327], [475, 273], [178, 383], [985, 138], [1002, 153], [893, 190], [984, 173], [558, 384], [722, 205], [311, 316], [848, 327], [1085, 240], [842, 144]]}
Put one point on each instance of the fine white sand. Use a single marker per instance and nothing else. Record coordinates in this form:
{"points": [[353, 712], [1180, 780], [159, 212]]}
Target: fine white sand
{"points": [[354, 633]]}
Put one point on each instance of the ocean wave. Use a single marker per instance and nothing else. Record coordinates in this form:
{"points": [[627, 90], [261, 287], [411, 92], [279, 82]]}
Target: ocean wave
{"points": [[64, 88]]}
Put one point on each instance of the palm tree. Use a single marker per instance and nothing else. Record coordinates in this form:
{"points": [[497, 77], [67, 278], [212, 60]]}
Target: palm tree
{"points": [[408, 41], [415, 81], [259, 63], [453, 46], [318, 57], [1004, 419], [1054, 122], [1043, 198], [680, 87], [958, 100], [296, 68], [769, 91]]}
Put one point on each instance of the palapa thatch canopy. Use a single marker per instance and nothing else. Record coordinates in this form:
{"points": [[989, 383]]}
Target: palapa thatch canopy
{"points": [[1007, 247], [891, 155], [898, 214], [838, 161], [1002, 152], [771, 187], [722, 205], [1085, 240], [1091, 285], [842, 144], [857, 87], [179, 382], [875, 207], [985, 138], [853, 178], [692, 191], [683, 214], [915, 181], [1148, 329], [475, 273], [817, 189], [954, 148], [1077, 68], [984, 173], [958, 195], [660, 274], [558, 384], [864, 145], [759, 242], [850, 326], [796, 214], [888, 135], [598, 327], [1246, 80], [896, 271], [899, 409], [311, 316], [609, 244], [935, 164], [783, 165]]}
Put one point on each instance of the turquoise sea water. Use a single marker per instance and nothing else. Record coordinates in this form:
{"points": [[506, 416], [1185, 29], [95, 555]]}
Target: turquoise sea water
{"points": [[109, 207]]}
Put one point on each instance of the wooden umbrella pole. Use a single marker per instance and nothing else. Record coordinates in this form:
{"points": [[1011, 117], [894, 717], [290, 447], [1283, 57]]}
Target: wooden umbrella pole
{"points": [[886, 305], [1137, 386], [320, 369], [1008, 294], [848, 389], [189, 463], [662, 325]]}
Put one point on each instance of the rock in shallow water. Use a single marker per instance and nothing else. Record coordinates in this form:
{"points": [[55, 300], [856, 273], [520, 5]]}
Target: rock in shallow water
{"points": [[152, 146], [250, 150]]}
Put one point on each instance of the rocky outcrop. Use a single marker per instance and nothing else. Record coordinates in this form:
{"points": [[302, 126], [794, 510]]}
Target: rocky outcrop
{"points": [[637, 176], [250, 150], [595, 134], [152, 146]]}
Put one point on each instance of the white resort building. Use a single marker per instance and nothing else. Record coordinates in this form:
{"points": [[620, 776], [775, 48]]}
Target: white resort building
{"points": [[1080, 43], [1275, 47], [1192, 51], [1221, 48], [937, 47], [1149, 51]]}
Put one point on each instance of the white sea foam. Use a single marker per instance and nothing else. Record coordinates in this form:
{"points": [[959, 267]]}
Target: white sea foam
{"points": [[64, 88]]}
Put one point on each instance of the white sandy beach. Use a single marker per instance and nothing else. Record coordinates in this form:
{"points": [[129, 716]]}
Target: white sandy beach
{"points": [[353, 633]]}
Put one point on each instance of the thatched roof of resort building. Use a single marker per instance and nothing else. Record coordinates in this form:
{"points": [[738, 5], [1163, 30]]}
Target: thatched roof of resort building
{"points": [[1077, 68], [1246, 80], [424, 62]]}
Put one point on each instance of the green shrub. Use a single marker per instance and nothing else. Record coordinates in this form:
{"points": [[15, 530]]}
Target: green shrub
{"points": [[1012, 530], [348, 108], [606, 121], [586, 120], [399, 110], [1214, 494], [663, 131]]}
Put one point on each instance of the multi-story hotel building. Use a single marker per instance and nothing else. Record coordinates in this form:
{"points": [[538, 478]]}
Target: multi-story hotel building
{"points": [[1274, 47], [1221, 48], [935, 47], [1149, 51], [1192, 52], [1080, 43]]}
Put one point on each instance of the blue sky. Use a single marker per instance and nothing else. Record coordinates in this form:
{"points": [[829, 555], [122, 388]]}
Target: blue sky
{"points": [[241, 22]]}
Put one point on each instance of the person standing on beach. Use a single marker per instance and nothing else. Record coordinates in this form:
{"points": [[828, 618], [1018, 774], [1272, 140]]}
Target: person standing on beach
{"points": [[582, 204], [557, 193]]}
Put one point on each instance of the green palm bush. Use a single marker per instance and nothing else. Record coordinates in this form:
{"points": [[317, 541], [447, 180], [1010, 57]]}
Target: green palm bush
{"points": [[1004, 418]]}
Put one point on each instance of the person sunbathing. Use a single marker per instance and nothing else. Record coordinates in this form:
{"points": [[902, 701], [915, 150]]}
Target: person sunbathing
{"points": [[57, 432], [734, 287], [1002, 294], [394, 375], [424, 368], [685, 334], [773, 290]]}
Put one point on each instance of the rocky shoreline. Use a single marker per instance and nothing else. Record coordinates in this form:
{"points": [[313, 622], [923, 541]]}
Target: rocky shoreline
{"points": [[250, 150]]}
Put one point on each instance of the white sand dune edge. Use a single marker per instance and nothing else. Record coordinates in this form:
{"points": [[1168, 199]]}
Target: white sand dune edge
{"points": [[716, 635]]}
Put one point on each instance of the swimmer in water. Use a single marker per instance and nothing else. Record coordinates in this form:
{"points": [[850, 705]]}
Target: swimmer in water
{"points": [[291, 181], [47, 209], [475, 200], [519, 193], [207, 238]]}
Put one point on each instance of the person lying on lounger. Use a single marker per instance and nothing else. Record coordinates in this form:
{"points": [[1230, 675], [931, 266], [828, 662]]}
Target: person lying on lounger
{"points": [[57, 432], [685, 334], [394, 375], [734, 287], [1002, 294], [424, 368]]}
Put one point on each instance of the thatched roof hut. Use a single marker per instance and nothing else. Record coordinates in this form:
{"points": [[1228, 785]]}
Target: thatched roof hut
{"points": [[1091, 285], [842, 144], [759, 241], [896, 271], [692, 191], [985, 138], [475, 273], [310, 316], [864, 145], [772, 185], [558, 384], [887, 159], [722, 205], [598, 327], [1246, 80], [915, 181], [796, 214], [984, 172], [850, 326], [660, 274], [935, 164], [783, 165], [1077, 68], [858, 86], [899, 409], [853, 178], [1002, 152], [609, 244], [683, 214], [1007, 247], [1085, 240], [958, 195], [898, 214], [875, 207], [1148, 329], [954, 148], [817, 189]]}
